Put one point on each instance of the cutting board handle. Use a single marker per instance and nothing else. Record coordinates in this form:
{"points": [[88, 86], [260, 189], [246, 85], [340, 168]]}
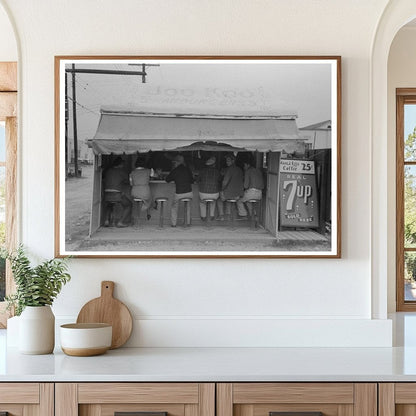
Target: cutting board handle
{"points": [[107, 289]]}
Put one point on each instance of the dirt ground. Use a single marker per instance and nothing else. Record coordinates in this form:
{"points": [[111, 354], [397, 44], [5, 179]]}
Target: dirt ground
{"points": [[217, 236], [78, 198]]}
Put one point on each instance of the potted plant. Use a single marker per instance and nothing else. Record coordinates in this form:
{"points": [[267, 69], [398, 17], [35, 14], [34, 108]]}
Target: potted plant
{"points": [[36, 289]]}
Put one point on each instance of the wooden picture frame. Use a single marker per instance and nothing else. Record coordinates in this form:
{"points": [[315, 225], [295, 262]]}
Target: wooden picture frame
{"points": [[269, 126]]}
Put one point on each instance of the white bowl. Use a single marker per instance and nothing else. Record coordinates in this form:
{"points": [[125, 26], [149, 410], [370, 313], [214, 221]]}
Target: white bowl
{"points": [[83, 340]]}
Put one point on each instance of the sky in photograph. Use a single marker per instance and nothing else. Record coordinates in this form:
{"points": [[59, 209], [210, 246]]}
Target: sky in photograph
{"points": [[248, 88]]}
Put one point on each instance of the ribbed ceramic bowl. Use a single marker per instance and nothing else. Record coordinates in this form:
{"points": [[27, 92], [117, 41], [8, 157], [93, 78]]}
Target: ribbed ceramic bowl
{"points": [[83, 340]]}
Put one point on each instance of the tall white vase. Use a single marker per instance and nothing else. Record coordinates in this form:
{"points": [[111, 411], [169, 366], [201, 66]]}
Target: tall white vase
{"points": [[37, 330], [12, 334]]}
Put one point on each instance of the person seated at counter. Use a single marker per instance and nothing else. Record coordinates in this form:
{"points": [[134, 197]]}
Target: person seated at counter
{"points": [[161, 163], [182, 177], [139, 181], [253, 186], [232, 185], [117, 190], [209, 187]]}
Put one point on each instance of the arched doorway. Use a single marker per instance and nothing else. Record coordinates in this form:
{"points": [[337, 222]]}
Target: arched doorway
{"points": [[401, 124], [395, 16]]}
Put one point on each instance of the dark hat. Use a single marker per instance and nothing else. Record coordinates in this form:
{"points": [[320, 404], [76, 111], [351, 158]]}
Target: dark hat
{"points": [[211, 161], [118, 161], [179, 159]]}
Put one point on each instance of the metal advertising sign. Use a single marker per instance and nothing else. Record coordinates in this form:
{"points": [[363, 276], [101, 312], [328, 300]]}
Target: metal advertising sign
{"points": [[298, 194]]}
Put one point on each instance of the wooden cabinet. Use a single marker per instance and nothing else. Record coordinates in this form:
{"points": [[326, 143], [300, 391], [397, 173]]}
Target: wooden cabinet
{"points": [[108, 399], [397, 399], [331, 399], [208, 399], [27, 399]]}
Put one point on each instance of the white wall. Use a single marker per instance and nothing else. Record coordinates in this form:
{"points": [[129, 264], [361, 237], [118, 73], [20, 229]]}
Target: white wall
{"points": [[211, 301], [401, 74], [8, 46]]}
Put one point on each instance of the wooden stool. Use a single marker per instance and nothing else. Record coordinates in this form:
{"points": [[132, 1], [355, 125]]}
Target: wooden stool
{"points": [[186, 209], [208, 203], [231, 203], [111, 198], [110, 221], [137, 209], [255, 209], [162, 205]]}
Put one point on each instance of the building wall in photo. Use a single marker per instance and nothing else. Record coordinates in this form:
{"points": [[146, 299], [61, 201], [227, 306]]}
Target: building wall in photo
{"points": [[318, 136], [211, 302]]}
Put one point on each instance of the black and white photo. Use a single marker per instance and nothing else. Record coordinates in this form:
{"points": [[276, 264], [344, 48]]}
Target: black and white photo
{"points": [[206, 157]]}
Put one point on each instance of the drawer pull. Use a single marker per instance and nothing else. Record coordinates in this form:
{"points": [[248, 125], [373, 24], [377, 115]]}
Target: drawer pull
{"points": [[295, 413], [140, 414]]}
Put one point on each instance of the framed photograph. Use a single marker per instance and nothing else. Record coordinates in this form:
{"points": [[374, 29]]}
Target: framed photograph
{"points": [[198, 156]]}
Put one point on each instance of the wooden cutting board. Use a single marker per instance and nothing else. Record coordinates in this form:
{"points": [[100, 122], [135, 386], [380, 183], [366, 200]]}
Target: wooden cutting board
{"points": [[108, 310]]}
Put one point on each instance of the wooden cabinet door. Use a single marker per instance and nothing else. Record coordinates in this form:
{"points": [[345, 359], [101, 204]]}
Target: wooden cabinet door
{"points": [[26, 399], [397, 399], [297, 399], [143, 399]]}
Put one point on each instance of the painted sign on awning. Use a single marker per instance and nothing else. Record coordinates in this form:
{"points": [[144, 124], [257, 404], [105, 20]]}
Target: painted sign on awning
{"points": [[298, 194], [127, 132]]}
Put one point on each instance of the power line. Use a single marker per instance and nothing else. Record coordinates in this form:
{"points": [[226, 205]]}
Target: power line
{"points": [[90, 89], [83, 106]]}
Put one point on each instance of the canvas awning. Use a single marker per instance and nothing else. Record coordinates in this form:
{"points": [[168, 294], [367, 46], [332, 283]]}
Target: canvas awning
{"points": [[131, 132]]}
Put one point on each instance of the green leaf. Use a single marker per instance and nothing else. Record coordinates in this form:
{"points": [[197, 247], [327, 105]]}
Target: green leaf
{"points": [[35, 286]]}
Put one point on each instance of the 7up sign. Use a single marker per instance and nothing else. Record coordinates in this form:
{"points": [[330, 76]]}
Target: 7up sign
{"points": [[298, 194]]}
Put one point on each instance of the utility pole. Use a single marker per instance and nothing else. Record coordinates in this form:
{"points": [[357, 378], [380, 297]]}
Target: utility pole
{"points": [[74, 71], [66, 125], [141, 73], [144, 73], [74, 121]]}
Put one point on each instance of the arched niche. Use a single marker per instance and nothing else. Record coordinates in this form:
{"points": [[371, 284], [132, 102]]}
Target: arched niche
{"points": [[8, 44], [396, 15]]}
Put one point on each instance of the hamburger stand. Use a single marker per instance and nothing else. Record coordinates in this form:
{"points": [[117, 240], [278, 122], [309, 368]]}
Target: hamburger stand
{"points": [[274, 140]]}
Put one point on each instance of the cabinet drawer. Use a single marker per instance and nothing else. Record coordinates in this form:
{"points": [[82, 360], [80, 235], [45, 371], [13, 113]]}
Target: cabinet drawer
{"points": [[145, 399], [21, 399], [138, 393], [19, 393], [309, 399]]}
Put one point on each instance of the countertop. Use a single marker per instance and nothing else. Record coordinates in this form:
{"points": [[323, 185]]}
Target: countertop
{"points": [[214, 365], [222, 364]]}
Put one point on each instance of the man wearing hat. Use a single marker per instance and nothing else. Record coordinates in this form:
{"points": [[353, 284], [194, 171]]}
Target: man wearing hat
{"points": [[183, 179], [232, 185], [117, 191], [253, 188], [209, 187]]}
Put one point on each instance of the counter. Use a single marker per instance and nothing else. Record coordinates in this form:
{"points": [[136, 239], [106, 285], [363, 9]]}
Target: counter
{"points": [[222, 364], [215, 364]]}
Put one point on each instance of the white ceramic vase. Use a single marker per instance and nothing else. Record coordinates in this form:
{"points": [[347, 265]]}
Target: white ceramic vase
{"points": [[12, 334], [37, 330]]}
